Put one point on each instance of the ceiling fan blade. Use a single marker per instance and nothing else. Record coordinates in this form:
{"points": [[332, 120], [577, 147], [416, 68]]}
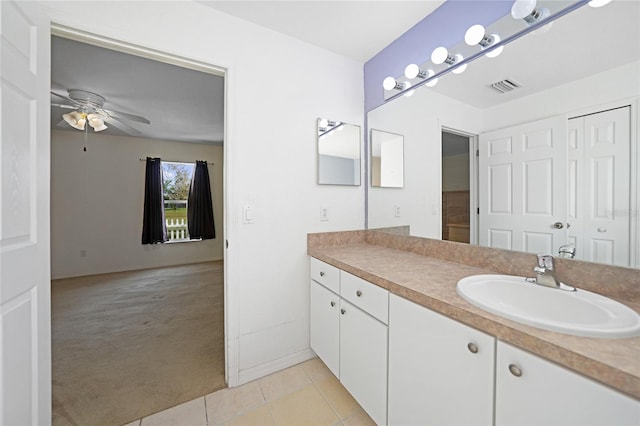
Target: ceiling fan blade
{"points": [[122, 126], [62, 96], [63, 106], [126, 115]]}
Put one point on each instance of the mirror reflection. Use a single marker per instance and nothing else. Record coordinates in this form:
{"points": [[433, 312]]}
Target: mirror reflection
{"points": [[558, 155], [387, 159], [338, 153]]}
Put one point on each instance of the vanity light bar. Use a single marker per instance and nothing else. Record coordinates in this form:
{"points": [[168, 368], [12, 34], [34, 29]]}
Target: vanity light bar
{"points": [[530, 28]]}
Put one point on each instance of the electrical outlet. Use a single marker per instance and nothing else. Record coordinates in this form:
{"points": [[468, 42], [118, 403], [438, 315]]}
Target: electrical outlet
{"points": [[83, 253]]}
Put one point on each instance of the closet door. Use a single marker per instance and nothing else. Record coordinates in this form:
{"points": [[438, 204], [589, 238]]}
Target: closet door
{"points": [[523, 186], [599, 151]]}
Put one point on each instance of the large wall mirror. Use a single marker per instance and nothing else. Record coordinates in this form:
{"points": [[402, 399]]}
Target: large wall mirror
{"points": [[338, 153], [387, 159], [555, 120]]}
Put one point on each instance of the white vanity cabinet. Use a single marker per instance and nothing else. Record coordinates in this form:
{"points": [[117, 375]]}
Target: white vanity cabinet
{"points": [[349, 333], [440, 371], [533, 391]]}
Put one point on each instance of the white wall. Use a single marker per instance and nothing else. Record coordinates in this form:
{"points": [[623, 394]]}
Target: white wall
{"points": [[419, 119], [275, 94], [97, 200]]}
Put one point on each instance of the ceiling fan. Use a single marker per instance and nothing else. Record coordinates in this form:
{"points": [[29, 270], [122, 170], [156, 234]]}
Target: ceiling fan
{"points": [[87, 107]]}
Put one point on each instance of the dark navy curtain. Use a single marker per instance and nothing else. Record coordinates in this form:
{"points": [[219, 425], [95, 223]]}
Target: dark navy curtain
{"points": [[199, 205], [154, 228]]}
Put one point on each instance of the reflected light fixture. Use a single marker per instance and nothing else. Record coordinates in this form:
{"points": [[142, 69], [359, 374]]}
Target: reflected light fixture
{"points": [[413, 71], [441, 55], [527, 11], [78, 120], [476, 35], [598, 3], [410, 92]]}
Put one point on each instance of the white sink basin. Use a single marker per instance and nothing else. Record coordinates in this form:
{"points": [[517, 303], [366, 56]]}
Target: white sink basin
{"points": [[580, 312]]}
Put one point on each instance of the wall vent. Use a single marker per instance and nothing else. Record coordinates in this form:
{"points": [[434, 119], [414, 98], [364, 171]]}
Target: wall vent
{"points": [[506, 85]]}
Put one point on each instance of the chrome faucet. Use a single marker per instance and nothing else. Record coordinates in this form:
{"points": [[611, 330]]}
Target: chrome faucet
{"points": [[545, 274]]}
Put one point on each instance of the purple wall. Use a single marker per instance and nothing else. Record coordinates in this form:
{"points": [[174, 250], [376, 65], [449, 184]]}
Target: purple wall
{"points": [[444, 27]]}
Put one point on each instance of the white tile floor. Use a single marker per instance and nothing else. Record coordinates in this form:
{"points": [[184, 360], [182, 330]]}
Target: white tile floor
{"points": [[305, 394]]}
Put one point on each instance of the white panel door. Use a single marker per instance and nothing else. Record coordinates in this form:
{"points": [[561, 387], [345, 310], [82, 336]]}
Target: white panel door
{"points": [[523, 186], [607, 155], [25, 324]]}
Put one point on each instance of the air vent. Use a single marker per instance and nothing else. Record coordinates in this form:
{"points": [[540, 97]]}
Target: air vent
{"points": [[506, 85]]}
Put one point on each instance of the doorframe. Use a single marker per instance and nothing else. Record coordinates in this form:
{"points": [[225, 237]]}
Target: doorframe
{"points": [[231, 297], [473, 179]]}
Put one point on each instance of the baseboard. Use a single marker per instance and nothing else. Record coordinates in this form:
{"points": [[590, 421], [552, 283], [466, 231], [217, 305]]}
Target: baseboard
{"points": [[253, 373]]}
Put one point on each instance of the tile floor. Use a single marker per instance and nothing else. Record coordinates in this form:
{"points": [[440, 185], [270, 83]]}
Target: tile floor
{"points": [[305, 394]]}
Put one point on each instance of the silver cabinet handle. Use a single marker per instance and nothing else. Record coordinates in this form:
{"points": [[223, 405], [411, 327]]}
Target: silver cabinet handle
{"points": [[358, 293], [515, 370], [558, 225], [473, 348], [322, 274], [333, 303], [342, 311]]}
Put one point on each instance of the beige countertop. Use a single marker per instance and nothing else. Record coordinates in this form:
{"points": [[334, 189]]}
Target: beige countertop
{"points": [[431, 282]]}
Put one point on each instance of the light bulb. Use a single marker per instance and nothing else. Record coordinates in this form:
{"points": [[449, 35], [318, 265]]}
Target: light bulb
{"points": [[461, 68], [323, 122], [495, 52], [430, 74], [598, 3], [439, 55], [75, 119], [522, 8], [406, 86], [474, 35], [411, 71], [389, 83]]}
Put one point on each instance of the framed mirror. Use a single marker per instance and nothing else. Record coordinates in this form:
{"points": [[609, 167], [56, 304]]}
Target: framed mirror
{"points": [[504, 105], [338, 153], [387, 159]]}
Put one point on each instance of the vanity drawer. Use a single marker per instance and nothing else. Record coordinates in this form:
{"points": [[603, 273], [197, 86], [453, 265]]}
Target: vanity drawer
{"points": [[369, 297], [325, 274]]}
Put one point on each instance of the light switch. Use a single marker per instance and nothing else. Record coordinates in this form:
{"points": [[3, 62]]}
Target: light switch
{"points": [[247, 214], [324, 213], [396, 209]]}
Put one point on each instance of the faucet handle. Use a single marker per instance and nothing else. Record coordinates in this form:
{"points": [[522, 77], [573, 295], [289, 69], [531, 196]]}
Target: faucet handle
{"points": [[545, 261]]}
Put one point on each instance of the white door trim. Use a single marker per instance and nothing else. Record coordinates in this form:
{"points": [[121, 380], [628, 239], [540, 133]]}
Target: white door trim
{"points": [[231, 298]]}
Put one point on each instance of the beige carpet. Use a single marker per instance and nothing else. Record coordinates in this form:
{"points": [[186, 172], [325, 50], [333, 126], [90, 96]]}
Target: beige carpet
{"points": [[126, 345]]}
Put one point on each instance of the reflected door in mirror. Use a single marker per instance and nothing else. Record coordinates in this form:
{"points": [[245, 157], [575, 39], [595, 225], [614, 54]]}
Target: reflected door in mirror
{"points": [[387, 159]]}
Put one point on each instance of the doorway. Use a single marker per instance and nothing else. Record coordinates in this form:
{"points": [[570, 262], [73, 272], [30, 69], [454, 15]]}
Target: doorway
{"points": [[456, 186], [100, 258]]}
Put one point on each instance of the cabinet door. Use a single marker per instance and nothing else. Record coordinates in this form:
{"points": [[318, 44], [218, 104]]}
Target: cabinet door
{"points": [[325, 326], [363, 360], [537, 392], [440, 371]]}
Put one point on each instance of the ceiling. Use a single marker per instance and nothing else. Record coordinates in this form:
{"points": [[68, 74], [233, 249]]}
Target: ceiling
{"points": [[188, 106], [356, 29]]}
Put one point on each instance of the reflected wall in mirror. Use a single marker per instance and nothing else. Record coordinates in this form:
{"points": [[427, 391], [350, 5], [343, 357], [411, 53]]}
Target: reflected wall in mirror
{"points": [[568, 179], [338, 153], [387, 159]]}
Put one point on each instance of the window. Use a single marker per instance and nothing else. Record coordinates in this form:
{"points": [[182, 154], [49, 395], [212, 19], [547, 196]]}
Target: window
{"points": [[176, 179]]}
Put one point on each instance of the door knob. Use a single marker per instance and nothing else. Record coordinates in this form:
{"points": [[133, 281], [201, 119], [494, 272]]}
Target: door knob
{"points": [[601, 229], [558, 225]]}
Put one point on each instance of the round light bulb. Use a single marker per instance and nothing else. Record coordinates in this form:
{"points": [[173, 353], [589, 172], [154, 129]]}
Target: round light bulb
{"points": [[460, 69], [411, 71], [389, 83], [522, 8], [323, 122], [474, 35], [439, 55], [433, 82], [495, 52], [406, 86], [598, 3]]}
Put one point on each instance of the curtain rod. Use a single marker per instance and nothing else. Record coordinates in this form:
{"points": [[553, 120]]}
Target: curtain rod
{"points": [[209, 163]]}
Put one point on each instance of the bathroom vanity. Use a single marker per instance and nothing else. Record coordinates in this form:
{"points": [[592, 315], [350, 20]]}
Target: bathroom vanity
{"points": [[386, 319]]}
